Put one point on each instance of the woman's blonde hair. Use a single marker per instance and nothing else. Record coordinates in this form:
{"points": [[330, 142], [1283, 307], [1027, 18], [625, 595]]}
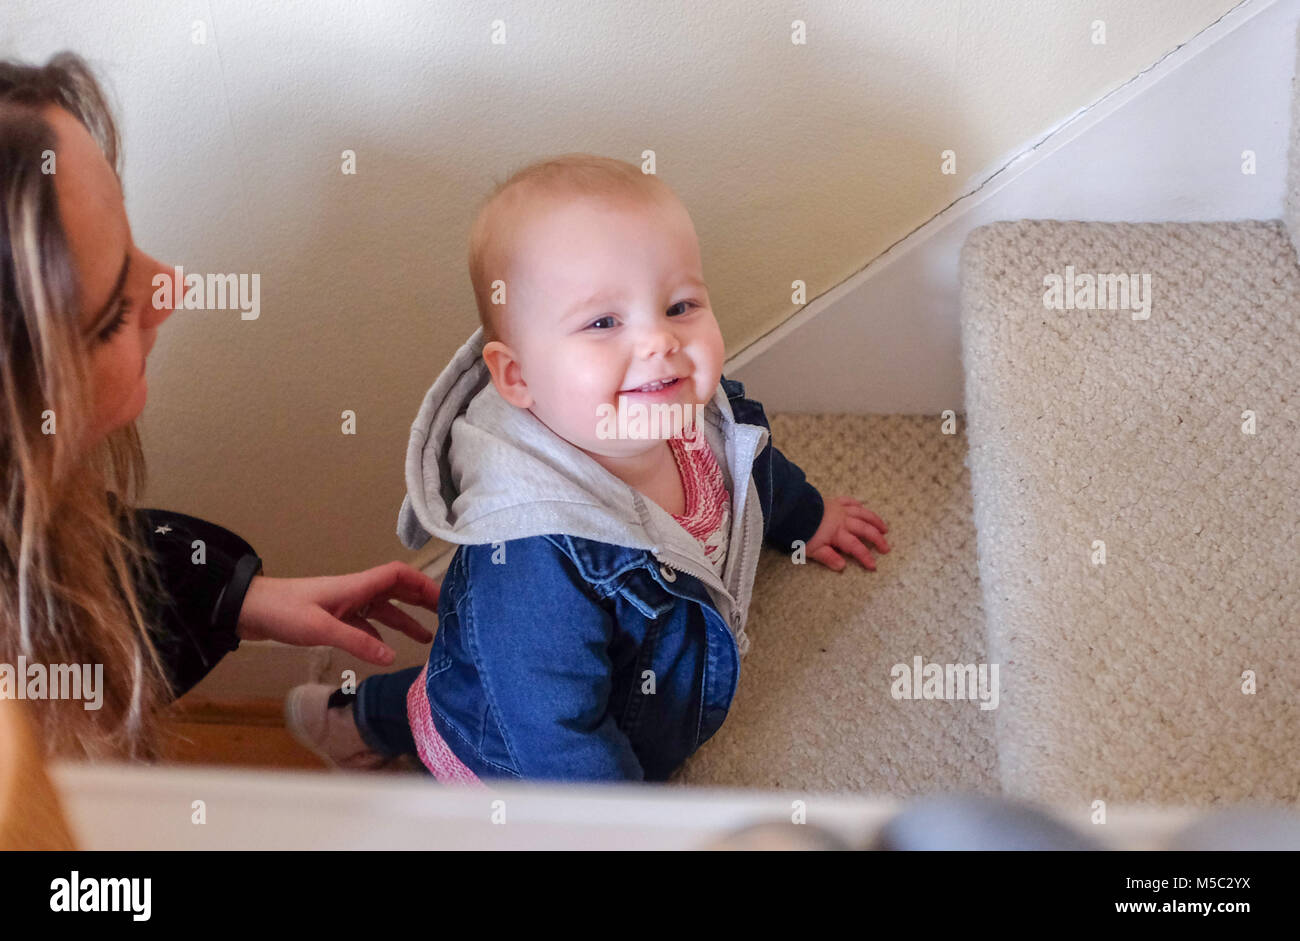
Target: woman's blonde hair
{"points": [[76, 583]]}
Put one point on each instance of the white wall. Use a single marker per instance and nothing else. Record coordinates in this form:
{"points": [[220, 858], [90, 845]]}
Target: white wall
{"points": [[1166, 147], [795, 161]]}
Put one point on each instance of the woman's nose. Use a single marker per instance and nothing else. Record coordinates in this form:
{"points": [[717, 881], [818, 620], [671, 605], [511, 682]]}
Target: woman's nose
{"points": [[161, 289]]}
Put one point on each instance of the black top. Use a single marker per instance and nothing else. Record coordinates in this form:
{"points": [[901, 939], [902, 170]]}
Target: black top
{"points": [[194, 623]]}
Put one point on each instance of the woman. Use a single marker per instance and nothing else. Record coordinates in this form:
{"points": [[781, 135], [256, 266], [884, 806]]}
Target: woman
{"points": [[85, 578]]}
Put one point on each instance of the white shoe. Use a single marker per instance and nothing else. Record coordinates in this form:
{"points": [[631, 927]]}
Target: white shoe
{"points": [[331, 734]]}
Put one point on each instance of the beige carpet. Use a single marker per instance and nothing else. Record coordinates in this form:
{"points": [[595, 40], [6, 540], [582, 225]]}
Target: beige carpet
{"points": [[1124, 681], [813, 711]]}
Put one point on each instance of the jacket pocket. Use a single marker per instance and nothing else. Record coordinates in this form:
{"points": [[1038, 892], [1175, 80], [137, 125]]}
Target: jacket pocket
{"points": [[645, 594]]}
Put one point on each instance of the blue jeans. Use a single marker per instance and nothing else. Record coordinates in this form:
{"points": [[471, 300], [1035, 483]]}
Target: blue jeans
{"points": [[380, 712]]}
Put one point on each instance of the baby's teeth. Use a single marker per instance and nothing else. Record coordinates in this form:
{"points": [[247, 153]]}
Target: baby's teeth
{"points": [[655, 386]]}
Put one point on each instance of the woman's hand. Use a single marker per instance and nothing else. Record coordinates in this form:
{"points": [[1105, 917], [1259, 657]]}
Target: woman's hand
{"points": [[843, 521], [333, 610]]}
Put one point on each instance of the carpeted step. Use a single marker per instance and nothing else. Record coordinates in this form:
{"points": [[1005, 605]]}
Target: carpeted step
{"points": [[814, 710], [1124, 680]]}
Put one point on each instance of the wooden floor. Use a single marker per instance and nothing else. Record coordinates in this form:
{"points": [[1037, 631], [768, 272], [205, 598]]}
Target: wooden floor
{"points": [[245, 734]]}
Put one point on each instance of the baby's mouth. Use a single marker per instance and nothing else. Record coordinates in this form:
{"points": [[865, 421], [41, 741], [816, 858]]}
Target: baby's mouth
{"points": [[658, 386]]}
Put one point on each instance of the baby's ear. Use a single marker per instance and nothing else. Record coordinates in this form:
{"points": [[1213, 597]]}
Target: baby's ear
{"points": [[506, 375]]}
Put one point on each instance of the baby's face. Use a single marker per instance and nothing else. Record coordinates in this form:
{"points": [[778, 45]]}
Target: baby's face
{"points": [[602, 300]]}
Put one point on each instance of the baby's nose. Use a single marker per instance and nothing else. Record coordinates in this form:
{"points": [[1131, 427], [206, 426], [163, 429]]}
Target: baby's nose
{"points": [[661, 339]]}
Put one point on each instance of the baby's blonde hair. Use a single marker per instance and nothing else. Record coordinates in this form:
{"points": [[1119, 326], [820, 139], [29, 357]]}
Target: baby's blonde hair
{"points": [[568, 176]]}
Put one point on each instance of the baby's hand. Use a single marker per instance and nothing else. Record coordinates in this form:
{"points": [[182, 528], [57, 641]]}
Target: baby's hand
{"points": [[843, 521]]}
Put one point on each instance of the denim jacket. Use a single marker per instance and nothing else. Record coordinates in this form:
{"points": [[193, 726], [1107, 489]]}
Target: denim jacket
{"points": [[583, 634]]}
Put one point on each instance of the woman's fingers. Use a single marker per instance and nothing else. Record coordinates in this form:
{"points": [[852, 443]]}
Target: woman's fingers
{"points": [[398, 580], [353, 636], [362, 624], [385, 612]]}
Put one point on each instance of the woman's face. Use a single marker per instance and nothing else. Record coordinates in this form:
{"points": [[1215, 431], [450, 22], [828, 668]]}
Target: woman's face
{"points": [[117, 316]]}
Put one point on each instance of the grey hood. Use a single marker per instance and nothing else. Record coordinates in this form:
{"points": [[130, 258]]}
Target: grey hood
{"points": [[480, 470]]}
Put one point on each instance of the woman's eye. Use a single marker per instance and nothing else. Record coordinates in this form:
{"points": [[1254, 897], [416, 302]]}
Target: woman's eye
{"points": [[123, 306], [687, 304]]}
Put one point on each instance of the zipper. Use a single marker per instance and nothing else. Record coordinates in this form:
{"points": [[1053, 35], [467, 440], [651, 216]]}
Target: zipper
{"points": [[740, 570], [742, 638], [709, 577]]}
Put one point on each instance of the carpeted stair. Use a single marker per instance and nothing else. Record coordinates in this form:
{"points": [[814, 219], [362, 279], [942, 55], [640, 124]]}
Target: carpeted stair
{"points": [[1129, 679], [814, 711], [1166, 670]]}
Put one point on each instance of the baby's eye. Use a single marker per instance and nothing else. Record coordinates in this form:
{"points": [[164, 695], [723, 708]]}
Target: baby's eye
{"points": [[687, 304], [601, 320]]}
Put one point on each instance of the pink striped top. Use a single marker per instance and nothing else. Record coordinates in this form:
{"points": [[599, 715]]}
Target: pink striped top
{"points": [[708, 506], [707, 518], [432, 749]]}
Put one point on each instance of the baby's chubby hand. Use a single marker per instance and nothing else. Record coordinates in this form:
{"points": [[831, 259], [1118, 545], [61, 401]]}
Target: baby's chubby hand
{"points": [[843, 521]]}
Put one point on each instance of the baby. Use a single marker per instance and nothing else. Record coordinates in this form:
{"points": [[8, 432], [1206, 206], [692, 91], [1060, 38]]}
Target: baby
{"points": [[592, 620]]}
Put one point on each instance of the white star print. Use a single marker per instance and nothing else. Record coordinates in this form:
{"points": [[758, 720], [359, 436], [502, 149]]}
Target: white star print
{"points": [[164, 529]]}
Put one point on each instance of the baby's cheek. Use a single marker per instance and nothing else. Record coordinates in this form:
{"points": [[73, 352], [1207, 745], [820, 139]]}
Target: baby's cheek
{"points": [[591, 385], [581, 401], [712, 349]]}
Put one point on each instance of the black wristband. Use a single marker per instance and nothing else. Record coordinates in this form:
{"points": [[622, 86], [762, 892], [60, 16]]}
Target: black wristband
{"points": [[225, 615]]}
